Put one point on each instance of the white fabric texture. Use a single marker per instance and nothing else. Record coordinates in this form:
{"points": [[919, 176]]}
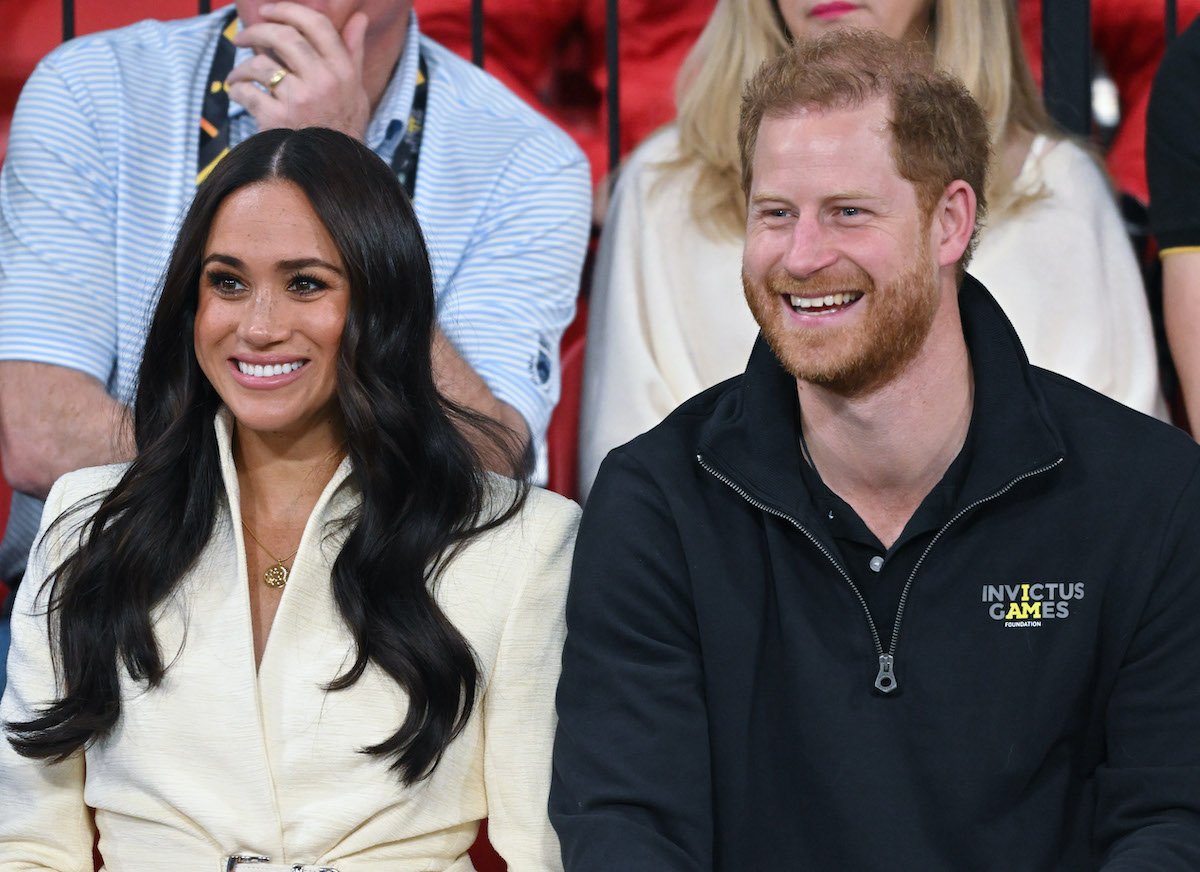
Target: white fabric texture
{"points": [[668, 318], [219, 760]]}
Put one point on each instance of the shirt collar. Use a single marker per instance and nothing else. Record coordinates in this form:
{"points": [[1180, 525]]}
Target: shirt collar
{"points": [[395, 105], [843, 522]]}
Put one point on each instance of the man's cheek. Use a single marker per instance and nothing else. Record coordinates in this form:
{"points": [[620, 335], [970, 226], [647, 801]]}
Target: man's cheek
{"points": [[337, 11], [248, 12]]}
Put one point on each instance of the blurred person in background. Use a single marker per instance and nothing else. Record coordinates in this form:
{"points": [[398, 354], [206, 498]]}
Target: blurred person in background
{"points": [[1173, 167], [1129, 39]]}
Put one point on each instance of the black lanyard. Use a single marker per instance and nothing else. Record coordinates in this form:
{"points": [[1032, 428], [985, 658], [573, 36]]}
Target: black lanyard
{"points": [[214, 116]]}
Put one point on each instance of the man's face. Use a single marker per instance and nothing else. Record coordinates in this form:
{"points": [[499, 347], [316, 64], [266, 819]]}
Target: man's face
{"points": [[838, 267], [380, 13]]}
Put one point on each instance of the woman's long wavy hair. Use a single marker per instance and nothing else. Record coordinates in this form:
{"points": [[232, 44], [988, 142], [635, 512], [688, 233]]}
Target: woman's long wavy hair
{"points": [[424, 492], [979, 41]]}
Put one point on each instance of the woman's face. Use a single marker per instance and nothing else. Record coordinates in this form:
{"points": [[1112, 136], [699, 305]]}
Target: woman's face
{"points": [[272, 303], [900, 19]]}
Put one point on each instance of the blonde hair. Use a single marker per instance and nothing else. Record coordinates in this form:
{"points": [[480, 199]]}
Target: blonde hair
{"points": [[742, 34]]}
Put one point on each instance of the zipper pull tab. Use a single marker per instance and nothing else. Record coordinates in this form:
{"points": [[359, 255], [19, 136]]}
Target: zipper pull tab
{"points": [[885, 681]]}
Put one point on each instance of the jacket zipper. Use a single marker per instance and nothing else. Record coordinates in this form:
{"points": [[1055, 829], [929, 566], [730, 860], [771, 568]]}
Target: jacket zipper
{"points": [[885, 679]]}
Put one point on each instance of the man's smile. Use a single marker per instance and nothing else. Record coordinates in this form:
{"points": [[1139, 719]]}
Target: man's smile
{"points": [[822, 303]]}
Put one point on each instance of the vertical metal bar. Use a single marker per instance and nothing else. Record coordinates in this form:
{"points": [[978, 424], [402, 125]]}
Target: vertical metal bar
{"points": [[68, 19], [477, 32], [1172, 21], [612, 54], [205, 7], [1067, 63]]}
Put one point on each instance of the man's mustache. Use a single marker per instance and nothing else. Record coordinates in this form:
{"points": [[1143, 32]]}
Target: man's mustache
{"points": [[827, 281]]}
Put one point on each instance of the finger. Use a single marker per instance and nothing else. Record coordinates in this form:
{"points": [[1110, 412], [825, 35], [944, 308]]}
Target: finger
{"points": [[281, 41], [258, 103], [354, 35], [259, 69], [316, 28]]}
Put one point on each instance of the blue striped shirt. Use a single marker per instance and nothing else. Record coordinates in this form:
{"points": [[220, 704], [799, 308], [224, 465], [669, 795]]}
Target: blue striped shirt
{"points": [[101, 167]]}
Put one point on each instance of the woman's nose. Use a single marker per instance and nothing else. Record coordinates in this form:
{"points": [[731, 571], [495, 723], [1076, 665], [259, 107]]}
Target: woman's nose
{"points": [[262, 319]]}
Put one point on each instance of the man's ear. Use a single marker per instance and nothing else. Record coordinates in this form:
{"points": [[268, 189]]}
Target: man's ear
{"points": [[953, 222]]}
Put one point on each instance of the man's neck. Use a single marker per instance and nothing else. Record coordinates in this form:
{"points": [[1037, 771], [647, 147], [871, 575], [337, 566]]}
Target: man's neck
{"points": [[884, 452]]}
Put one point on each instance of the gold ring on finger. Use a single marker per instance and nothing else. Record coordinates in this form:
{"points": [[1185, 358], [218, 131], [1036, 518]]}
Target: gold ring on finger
{"points": [[276, 77]]}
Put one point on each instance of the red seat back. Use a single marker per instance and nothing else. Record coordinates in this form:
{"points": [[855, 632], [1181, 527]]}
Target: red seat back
{"points": [[484, 856]]}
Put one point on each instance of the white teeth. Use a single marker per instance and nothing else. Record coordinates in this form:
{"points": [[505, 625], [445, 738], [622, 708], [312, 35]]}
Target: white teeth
{"points": [[259, 370], [837, 299]]}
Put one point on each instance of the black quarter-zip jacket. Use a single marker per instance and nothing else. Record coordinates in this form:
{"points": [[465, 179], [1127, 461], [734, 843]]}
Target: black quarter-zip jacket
{"points": [[727, 702]]}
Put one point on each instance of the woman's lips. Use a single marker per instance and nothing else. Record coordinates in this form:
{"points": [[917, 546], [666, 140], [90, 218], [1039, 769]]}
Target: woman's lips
{"points": [[263, 382], [831, 10]]}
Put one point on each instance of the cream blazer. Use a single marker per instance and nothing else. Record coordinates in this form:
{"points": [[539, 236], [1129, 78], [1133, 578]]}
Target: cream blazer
{"points": [[220, 759]]}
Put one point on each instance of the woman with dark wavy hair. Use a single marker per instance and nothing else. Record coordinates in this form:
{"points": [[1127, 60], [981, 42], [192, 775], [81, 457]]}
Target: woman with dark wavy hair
{"points": [[304, 629]]}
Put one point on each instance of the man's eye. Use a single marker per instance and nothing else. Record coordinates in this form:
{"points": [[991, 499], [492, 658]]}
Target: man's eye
{"points": [[850, 211]]}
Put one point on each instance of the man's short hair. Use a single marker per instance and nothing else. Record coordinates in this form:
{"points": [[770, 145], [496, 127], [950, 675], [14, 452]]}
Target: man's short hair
{"points": [[939, 133]]}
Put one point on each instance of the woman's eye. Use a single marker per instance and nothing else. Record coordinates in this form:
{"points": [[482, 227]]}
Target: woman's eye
{"points": [[224, 283], [303, 284]]}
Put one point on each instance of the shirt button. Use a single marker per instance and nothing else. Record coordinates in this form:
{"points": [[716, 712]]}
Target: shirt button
{"points": [[876, 563]]}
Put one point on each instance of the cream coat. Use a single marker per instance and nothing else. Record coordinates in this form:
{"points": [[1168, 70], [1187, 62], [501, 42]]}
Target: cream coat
{"points": [[220, 760]]}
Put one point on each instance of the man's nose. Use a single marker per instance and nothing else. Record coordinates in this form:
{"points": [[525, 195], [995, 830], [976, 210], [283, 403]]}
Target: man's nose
{"points": [[810, 248], [262, 322]]}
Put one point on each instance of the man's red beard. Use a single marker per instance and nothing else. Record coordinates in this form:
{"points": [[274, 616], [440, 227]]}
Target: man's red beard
{"points": [[855, 359]]}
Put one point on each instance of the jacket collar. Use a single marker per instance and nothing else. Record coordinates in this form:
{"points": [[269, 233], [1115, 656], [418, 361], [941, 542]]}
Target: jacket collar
{"points": [[335, 501], [752, 437]]}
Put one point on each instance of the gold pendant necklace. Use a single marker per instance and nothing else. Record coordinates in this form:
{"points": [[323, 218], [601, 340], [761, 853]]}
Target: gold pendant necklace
{"points": [[277, 574]]}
